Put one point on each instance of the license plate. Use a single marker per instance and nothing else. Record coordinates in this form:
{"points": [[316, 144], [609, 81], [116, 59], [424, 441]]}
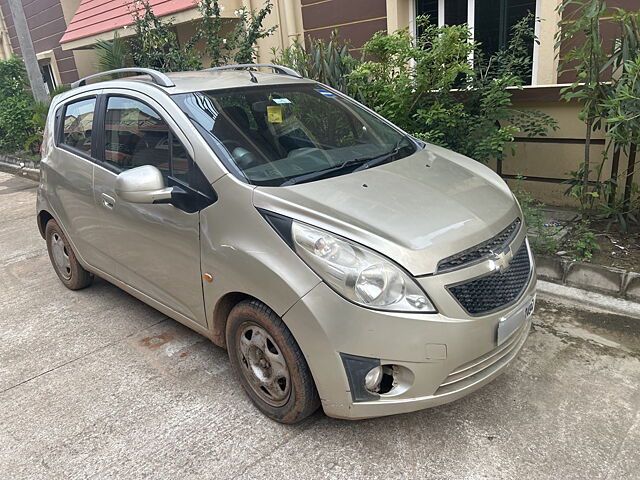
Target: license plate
{"points": [[512, 322]]}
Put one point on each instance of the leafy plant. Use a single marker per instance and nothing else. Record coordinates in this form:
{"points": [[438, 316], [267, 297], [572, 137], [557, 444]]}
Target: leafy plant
{"points": [[112, 54], [543, 237], [586, 195], [228, 41], [623, 114], [16, 105], [155, 44], [248, 31], [583, 243], [623, 103], [621, 211], [38, 121], [327, 62], [430, 88], [586, 59]]}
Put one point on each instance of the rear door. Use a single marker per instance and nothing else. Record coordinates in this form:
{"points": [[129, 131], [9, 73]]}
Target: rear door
{"points": [[68, 174], [155, 248]]}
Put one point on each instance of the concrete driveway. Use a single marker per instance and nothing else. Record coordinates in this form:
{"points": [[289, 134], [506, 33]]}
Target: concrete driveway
{"points": [[96, 384]]}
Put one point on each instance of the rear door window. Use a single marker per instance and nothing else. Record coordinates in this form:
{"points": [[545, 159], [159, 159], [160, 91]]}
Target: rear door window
{"points": [[77, 125]]}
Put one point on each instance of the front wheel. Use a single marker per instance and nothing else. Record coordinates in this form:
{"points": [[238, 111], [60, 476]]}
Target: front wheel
{"points": [[269, 363]]}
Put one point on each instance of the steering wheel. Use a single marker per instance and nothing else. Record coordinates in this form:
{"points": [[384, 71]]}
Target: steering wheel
{"points": [[301, 151], [232, 145]]}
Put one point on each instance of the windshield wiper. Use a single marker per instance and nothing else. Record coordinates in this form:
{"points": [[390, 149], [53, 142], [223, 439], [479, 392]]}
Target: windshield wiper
{"points": [[363, 164], [372, 162], [320, 173]]}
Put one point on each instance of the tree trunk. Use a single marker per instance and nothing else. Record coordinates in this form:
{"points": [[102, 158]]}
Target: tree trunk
{"points": [[587, 162], [28, 52]]}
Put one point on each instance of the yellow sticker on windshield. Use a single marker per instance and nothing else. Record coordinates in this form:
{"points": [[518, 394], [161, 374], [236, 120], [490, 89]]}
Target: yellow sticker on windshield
{"points": [[274, 114]]}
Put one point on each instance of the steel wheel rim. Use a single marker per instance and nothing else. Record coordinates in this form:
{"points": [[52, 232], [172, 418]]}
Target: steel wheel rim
{"points": [[263, 365], [60, 256]]}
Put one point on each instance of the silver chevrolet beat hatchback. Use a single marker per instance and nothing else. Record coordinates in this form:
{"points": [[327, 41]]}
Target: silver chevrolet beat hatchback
{"points": [[340, 261]]}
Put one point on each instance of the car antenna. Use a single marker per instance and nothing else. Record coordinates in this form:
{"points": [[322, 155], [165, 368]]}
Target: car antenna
{"points": [[253, 77]]}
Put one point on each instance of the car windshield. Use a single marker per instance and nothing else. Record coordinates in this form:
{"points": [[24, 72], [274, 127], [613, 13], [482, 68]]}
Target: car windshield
{"points": [[289, 134]]}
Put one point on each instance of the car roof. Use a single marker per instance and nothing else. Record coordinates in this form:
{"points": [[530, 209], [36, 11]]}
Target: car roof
{"points": [[201, 80], [218, 80]]}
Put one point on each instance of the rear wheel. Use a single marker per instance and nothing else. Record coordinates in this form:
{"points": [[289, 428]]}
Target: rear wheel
{"points": [[269, 363], [64, 260]]}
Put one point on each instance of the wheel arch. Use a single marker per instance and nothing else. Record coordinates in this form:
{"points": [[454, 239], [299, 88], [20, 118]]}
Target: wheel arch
{"points": [[221, 313], [42, 219]]}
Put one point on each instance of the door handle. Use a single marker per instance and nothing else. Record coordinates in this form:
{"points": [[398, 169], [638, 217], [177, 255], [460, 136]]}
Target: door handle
{"points": [[108, 201]]}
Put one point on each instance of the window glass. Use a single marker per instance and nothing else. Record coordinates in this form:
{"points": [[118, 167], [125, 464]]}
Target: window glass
{"points": [[135, 135], [428, 7], [277, 134], [78, 121], [494, 21], [455, 12]]}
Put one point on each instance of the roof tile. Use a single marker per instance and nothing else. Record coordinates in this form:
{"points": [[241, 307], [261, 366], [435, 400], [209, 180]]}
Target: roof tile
{"points": [[99, 16]]}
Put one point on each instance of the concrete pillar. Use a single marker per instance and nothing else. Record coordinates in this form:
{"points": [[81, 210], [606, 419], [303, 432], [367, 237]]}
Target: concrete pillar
{"points": [[398, 14], [545, 55]]}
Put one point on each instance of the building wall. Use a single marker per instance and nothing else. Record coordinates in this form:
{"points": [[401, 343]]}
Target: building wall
{"points": [[86, 59], [46, 22], [286, 16], [608, 30], [561, 152], [355, 20]]}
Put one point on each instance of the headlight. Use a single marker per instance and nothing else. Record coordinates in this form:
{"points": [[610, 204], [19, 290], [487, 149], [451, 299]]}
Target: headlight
{"points": [[357, 273]]}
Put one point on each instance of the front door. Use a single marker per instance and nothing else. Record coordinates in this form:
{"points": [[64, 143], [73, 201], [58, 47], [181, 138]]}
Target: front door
{"points": [[154, 248]]}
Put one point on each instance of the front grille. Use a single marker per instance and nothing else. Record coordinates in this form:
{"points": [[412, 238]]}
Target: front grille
{"points": [[467, 374], [496, 290], [482, 250]]}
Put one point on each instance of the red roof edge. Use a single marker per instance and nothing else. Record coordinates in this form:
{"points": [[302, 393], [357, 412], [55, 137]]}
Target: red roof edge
{"points": [[99, 16]]}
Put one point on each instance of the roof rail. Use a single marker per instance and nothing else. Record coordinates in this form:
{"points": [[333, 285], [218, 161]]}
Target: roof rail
{"points": [[278, 68], [157, 77]]}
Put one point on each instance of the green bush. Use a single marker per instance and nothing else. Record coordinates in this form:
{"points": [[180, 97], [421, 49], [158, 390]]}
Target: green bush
{"points": [[583, 243], [155, 44], [327, 62], [16, 106], [543, 236], [430, 88]]}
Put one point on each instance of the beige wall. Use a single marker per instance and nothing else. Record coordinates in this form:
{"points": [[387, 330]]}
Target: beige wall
{"points": [[558, 160], [5, 43]]}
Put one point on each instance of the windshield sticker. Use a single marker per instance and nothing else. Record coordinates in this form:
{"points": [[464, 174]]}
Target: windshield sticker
{"points": [[274, 114], [281, 100], [324, 92]]}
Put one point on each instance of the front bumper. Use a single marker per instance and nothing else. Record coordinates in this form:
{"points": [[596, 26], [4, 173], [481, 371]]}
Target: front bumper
{"points": [[450, 354]]}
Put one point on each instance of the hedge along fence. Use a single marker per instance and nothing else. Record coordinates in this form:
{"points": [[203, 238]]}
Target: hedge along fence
{"points": [[16, 106]]}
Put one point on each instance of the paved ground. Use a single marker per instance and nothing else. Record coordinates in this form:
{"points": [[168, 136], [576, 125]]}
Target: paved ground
{"points": [[96, 384]]}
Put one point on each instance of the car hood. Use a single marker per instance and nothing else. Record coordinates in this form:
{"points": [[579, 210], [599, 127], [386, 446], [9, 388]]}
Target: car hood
{"points": [[416, 211]]}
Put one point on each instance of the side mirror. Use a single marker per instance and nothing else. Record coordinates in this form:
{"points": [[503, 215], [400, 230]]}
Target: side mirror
{"points": [[143, 185]]}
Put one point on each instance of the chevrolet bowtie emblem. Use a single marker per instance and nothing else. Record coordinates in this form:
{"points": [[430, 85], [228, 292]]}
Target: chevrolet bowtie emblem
{"points": [[501, 260]]}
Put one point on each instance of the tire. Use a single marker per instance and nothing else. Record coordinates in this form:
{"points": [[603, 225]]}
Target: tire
{"points": [[269, 363], [64, 260]]}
